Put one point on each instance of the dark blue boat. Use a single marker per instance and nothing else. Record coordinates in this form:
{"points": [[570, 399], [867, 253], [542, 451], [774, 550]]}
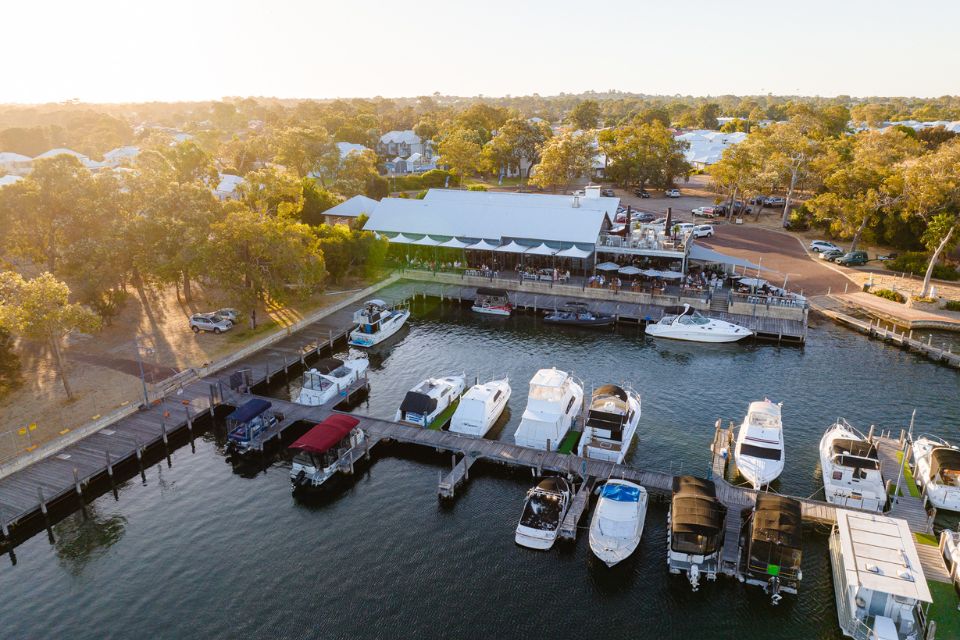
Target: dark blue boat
{"points": [[578, 314], [247, 422]]}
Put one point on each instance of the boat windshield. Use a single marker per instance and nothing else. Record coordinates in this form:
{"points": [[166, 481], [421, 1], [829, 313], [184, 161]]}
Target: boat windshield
{"points": [[305, 458], [764, 453], [694, 543], [315, 382], [695, 319], [542, 511], [547, 394]]}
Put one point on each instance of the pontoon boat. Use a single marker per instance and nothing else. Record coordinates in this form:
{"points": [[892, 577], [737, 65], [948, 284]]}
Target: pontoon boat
{"points": [[695, 529], [492, 301], [774, 545], [247, 423], [318, 451], [578, 314]]}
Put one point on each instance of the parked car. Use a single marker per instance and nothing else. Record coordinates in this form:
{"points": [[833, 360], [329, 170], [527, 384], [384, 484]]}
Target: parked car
{"points": [[703, 231], [641, 193], [209, 322], [607, 193], [774, 201], [704, 212], [852, 258], [889, 256], [741, 208], [659, 221], [831, 254], [643, 216], [822, 245], [230, 314], [672, 193], [683, 228]]}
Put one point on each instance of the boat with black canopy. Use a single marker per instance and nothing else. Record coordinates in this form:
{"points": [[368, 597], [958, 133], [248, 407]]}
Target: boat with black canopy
{"points": [[578, 314], [317, 452], [429, 400], [543, 511], [611, 423], [376, 322], [774, 545], [851, 469], [247, 423], [330, 377], [494, 302], [695, 529]]}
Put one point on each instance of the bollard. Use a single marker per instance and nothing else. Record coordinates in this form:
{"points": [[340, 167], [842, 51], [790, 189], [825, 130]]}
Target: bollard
{"points": [[466, 469], [366, 447], [3, 527], [330, 339], [76, 484], [46, 516]]}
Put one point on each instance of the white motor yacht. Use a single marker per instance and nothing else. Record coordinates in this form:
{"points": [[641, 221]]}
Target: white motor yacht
{"points": [[695, 529], [686, 323], [425, 402], [553, 402], [495, 302], [376, 322], [851, 469], [318, 451], [611, 424], [617, 523], [480, 407], [759, 449], [544, 510], [937, 471], [329, 377]]}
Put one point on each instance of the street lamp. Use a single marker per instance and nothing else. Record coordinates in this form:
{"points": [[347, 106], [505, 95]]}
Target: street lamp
{"points": [[143, 379]]}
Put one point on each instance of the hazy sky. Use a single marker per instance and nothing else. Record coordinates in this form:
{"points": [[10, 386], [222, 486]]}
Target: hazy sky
{"points": [[138, 50]]}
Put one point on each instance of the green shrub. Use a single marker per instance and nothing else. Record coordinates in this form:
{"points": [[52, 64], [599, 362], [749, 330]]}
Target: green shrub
{"points": [[422, 195], [476, 187], [953, 305], [889, 295], [915, 262], [435, 178]]}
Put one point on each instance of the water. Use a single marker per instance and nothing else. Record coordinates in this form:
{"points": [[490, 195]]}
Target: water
{"points": [[202, 552]]}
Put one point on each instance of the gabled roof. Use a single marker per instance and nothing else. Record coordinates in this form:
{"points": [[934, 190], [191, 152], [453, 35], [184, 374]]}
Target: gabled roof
{"points": [[407, 136], [5, 180], [229, 183], [346, 148], [60, 151], [353, 207], [9, 156]]}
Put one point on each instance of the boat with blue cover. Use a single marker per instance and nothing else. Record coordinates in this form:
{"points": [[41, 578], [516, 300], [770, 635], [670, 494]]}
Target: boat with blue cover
{"points": [[617, 524], [247, 423]]}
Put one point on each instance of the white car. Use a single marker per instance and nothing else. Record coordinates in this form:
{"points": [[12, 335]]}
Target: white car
{"points": [[819, 246], [704, 212], [672, 193], [209, 322], [703, 231], [229, 314], [683, 228]]}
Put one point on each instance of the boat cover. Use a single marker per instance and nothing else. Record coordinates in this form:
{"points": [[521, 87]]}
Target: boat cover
{"points": [[695, 507], [324, 436], [249, 410], [778, 519], [415, 402], [859, 448], [944, 458], [328, 364], [498, 293], [620, 493]]}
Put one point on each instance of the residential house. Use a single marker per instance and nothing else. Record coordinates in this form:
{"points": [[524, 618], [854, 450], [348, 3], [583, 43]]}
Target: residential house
{"points": [[227, 187]]}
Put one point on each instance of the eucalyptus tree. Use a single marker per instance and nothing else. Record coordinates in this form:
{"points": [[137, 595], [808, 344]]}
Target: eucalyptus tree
{"points": [[564, 158], [647, 154]]}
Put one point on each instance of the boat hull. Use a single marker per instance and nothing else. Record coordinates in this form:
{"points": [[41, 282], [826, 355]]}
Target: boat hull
{"points": [[694, 336], [492, 311], [871, 497], [479, 429], [596, 322], [941, 496], [537, 541]]}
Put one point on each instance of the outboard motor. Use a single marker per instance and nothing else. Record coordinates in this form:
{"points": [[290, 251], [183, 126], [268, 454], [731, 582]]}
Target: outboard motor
{"points": [[299, 480], [694, 576], [773, 588]]}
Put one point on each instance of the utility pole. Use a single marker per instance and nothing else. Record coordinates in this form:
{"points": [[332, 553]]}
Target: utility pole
{"points": [[903, 459]]}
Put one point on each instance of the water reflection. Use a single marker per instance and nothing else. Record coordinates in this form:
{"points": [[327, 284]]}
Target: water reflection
{"points": [[81, 539]]}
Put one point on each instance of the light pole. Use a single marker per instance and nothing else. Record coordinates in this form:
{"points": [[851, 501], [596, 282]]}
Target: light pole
{"points": [[903, 459], [143, 379]]}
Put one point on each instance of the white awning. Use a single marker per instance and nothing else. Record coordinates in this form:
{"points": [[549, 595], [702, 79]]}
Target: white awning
{"points": [[454, 243], [541, 250], [513, 247], [483, 245], [704, 254], [608, 266], [574, 252], [630, 270], [426, 241], [400, 239]]}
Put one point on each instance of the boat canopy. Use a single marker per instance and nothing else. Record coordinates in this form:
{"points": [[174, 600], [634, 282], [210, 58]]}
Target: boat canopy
{"points": [[778, 519], [679, 311], [620, 492], [249, 410], [695, 509], [608, 408], [327, 365], [494, 293], [944, 458], [416, 402], [324, 436], [376, 302]]}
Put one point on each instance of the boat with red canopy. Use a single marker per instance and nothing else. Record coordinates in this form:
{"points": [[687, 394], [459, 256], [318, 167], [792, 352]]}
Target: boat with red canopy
{"points": [[318, 451]]}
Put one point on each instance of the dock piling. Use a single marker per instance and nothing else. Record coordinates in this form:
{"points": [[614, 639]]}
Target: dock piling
{"points": [[193, 448], [143, 475], [113, 485], [46, 515]]}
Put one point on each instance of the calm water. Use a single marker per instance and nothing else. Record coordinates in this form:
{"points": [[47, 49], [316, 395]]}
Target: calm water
{"points": [[202, 552]]}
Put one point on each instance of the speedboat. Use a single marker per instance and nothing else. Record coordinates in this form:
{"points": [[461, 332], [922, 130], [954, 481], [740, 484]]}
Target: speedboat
{"points": [[617, 523], [247, 424], [428, 400], [937, 471], [543, 511], [578, 314], [492, 301], [329, 377], [686, 323], [759, 449], [695, 529], [480, 407], [774, 545], [851, 469], [376, 322], [317, 452], [554, 400], [611, 424]]}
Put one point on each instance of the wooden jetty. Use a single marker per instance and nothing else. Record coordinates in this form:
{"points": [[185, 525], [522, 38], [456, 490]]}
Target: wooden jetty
{"points": [[581, 500]]}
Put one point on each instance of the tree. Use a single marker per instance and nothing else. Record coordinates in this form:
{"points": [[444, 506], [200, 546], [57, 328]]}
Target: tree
{"points": [[737, 172], [40, 309], [460, 150], [791, 152], [564, 159], [586, 115], [10, 376], [316, 200], [272, 192], [355, 173], [707, 114], [645, 154], [303, 150], [518, 140]]}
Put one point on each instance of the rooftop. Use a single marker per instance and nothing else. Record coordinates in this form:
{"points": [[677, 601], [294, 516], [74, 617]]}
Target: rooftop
{"points": [[549, 378], [353, 207]]}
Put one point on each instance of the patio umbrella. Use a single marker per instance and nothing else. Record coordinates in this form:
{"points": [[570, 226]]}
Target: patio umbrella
{"points": [[454, 243], [608, 266], [631, 270], [574, 252], [752, 282], [671, 275]]}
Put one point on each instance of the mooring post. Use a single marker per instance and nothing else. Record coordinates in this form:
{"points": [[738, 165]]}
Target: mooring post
{"points": [[3, 526], [46, 516], [113, 486], [366, 447], [870, 435], [267, 370], [330, 339], [303, 359], [466, 469], [903, 436], [534, 304], [193, 449], [76, 483], [143, 476]]}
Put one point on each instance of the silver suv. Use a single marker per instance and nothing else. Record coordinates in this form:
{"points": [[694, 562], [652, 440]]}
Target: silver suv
{"points": [[209, 322]]}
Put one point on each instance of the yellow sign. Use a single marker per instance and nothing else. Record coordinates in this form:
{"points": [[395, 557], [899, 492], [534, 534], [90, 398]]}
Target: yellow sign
{"points": [[33, 426]]}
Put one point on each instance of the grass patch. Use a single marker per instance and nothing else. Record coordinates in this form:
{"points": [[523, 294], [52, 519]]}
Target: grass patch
{"points": [[569, 442], [247, 333], [908, 477], [927, 538], [444, 416], [944, 609]]}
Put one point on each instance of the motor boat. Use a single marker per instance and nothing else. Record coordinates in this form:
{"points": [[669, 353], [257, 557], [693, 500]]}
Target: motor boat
{"points": [[617, 523], [494, 302], [330, 377], [611, 424], [376, 322], [543, 511], [759, 448], [878, 580], [578, 314], [317, 453], [686, 323], [851, 469], [695, 529], [247, 424], [774, 547], [428, 400], [553, 402], [937, 470], [480, 407]]}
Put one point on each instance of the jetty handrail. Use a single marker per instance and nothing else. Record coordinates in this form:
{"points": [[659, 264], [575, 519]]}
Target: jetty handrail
{"points": [[767, 300]]}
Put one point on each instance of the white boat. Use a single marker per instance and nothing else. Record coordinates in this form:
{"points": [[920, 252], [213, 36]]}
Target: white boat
{"points": [[543, 511], [617, 523], [686, 323], [494, 302], [759, 448], [851, 469], [878, 580], [318, 451], [611, 424], [329, 377], [695, 529], [480, 407], [553, 402], [426, 401], [376, 322], [937, 471]]}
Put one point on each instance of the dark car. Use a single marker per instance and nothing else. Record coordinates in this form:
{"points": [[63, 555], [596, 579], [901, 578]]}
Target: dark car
{"points": [[641, 193], [607, 193], [644, 217], [852, 258]]}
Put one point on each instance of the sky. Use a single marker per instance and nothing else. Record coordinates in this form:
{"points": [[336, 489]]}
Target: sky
{"points": [[166, 50]]}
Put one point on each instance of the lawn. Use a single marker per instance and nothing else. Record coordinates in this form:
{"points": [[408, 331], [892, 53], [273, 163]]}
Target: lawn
{"points": [[569, 441], [444, 416], [944, 609], [907, 480], [927, 538]]}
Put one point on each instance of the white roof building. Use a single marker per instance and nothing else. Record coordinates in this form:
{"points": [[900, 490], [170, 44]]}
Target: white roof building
{"points": [[227, 187], [5, 180], [85, 160], [120, 155], [346, 148], [353, 207], [398, 137], [8, 157], [706, 147]]}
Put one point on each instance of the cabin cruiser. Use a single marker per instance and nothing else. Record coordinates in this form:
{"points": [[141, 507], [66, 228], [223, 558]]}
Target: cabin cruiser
{"points": [[317, 452], [686, 323], [376, 322], [759, 448], [247, 423], [543, 511], [425, 402], [480, 407], [878, 580], [774, 545], [329, 377], [937, 471], [851, 469], [617, 523], [492, 301], [578, 314], [695, 529], [554, 400], [611, 423]]}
